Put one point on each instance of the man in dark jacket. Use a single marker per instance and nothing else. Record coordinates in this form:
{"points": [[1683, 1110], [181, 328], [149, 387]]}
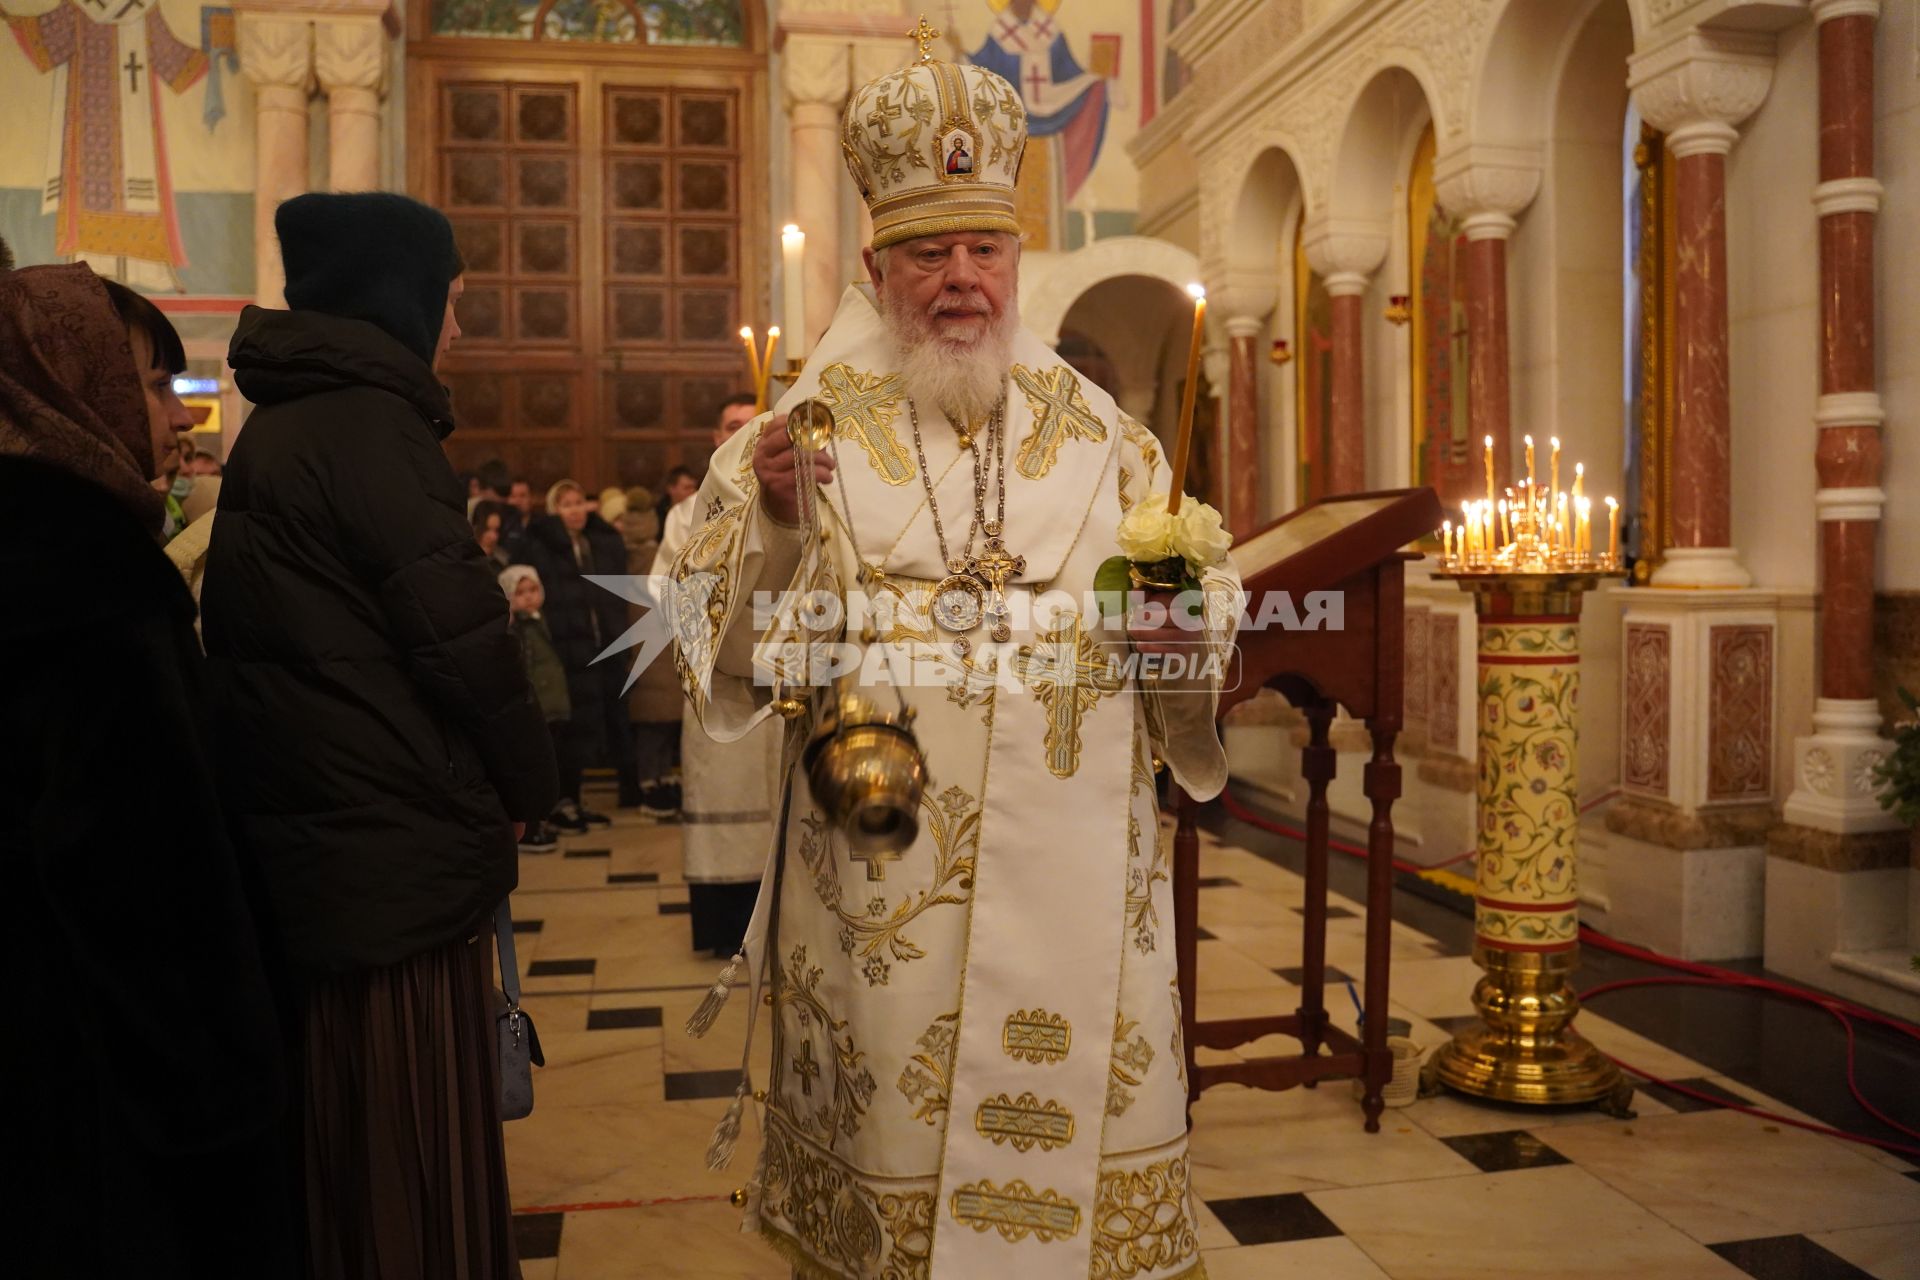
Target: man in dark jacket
{"points": [[376, 735]]}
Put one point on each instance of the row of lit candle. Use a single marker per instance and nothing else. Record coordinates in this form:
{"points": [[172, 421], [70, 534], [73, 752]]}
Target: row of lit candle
{"points": [[793, 259], [1534, 530]]}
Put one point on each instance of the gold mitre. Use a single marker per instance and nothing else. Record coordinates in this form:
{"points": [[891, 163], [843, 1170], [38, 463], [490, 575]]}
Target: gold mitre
{"points": [[935, 148]]}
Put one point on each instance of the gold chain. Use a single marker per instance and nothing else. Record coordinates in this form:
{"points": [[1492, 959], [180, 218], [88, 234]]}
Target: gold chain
{"points": [[982, 468]]}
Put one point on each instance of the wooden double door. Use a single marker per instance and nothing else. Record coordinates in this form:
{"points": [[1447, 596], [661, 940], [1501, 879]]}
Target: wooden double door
{"points": [[609, 218]]}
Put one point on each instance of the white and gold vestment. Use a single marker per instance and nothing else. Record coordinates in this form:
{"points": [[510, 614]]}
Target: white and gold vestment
{"points": [[977, 1069]]}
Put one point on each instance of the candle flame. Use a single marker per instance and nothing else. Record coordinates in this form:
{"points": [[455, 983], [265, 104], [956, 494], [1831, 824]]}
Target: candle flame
{"points": [[773, 331], [1489, 442], [1579, 468], [1554, 441], [1196, 291], [791, 229], [1611, 502], [746, 331]]}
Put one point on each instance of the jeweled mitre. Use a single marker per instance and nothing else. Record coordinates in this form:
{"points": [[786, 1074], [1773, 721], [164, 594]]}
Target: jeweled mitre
{"points": [[935, 148]]}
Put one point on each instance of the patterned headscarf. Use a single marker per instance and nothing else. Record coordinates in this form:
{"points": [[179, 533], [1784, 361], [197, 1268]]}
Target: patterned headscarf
{"points": [[69, 394]]}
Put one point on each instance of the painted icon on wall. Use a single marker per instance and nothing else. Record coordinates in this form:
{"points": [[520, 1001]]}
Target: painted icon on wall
{"points": [[106, 181]]}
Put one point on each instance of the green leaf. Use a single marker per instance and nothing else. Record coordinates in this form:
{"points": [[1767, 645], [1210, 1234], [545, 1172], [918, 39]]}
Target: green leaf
{"points": [[1110, 586]]}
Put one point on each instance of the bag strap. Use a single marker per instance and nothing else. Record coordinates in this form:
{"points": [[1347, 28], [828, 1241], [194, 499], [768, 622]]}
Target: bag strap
{"points": [[503, 947]]}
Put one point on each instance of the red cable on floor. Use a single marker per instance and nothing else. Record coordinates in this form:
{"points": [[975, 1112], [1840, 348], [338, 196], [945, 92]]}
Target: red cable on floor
{"points": [[1698, 974]]}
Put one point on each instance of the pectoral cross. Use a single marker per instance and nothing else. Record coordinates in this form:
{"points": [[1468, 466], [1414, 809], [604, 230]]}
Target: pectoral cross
{"points": [[1069, 675], [996, 567], [133, 70], [924, 35]]}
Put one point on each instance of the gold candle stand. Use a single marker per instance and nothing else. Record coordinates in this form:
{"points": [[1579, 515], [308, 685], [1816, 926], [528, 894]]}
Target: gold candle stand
{"points": [[1526, 914]]}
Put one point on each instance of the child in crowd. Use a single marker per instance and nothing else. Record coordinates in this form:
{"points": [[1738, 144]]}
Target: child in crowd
{"points": [[548, 676]]}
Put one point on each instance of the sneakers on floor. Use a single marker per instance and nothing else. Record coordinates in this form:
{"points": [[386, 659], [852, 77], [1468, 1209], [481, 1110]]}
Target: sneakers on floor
{"points": [[539, 838], [593, 819], [568, 819], [660, 801]]}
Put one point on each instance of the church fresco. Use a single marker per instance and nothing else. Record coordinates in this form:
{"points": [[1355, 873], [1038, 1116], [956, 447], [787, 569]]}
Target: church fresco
{"points": [[122, 154]]}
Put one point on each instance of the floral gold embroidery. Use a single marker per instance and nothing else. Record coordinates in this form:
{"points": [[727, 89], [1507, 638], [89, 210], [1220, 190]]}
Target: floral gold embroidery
{"points": [[1142, 916], [1016, 1211], [909, 1227], [929, 1076], [1142, 439], [953, 820], [864, 406], [819, 1202], [822, 1112], [1141, 1221], [1060, 414], [1037, 1036], [1128, 1066], [1024, 1122]]}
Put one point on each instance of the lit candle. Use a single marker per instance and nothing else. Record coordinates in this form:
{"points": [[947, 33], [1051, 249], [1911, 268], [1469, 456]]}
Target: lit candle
{"points": [[1583, 544], [1553, 472], [1466, 529], [1489, 468], [1486, 518], [766, 370], [1446, 541], [793, 258], [1183, 442], [1560, 524], [1506, 533], [1579, 480], [753, 354], [1530, 483], [1613, 533]]}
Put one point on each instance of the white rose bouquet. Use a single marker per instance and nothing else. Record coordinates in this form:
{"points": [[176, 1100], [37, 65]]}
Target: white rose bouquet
{"points": [[1162, 550]]}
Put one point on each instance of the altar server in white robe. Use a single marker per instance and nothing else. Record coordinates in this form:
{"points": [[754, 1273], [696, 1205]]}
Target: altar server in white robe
{"points": [[977, 1069], [730, 791]]}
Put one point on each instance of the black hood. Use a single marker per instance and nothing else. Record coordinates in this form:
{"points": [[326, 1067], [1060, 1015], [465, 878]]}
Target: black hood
{"points": [[285, 355], [374, 256]]}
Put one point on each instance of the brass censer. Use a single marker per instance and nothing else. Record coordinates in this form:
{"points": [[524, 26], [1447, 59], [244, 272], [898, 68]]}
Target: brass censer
{"points": [[864, 764]]}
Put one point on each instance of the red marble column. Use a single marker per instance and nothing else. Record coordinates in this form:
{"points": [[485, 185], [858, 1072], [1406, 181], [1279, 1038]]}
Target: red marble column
{"points": [[1347, 417], [1848, 456], [1702, 477], [1489, 402], [1243, 434]]}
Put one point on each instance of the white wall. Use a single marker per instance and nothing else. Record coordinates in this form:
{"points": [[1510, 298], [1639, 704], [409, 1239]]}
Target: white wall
{"points": [[1773, 283]]}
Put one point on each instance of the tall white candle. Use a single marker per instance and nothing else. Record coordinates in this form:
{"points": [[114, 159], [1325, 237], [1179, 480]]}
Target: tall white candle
{"points": [[793, 255]]}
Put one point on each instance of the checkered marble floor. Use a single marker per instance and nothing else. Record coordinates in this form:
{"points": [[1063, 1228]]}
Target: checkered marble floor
{"points": [[609, 1179]]}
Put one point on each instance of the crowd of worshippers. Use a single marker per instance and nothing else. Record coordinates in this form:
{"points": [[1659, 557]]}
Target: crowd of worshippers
{"points": [[596, 715]]}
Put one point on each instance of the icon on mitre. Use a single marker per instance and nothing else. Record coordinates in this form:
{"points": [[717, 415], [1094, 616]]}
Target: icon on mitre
{"points": [[956, 154]]}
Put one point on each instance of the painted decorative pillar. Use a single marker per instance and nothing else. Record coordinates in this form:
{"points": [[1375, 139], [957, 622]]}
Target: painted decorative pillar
{"points": [[1695, 89], [349, 61], [1486, 187], [1837, 759], [1242, 302], [1526, 913], [1345, 253], [276, 53], [815, 76]]}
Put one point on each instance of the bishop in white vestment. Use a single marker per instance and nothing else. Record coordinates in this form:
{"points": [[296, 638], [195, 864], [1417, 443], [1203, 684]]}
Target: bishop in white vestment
{"points": [[977, 1070]]}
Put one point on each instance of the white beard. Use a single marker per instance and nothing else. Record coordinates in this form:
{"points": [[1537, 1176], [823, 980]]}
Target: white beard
{"points": [[963, 379]]}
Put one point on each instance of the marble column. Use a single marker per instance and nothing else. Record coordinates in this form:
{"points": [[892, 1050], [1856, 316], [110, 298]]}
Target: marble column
{"points": [[349, 61], [815, 79], [1486, 187], [1241, 302], [276, 53], [1695, 89], [1849, 501], [1345, 252]]}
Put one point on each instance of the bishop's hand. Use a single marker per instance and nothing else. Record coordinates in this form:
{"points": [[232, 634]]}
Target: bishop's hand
{"points": [[774, 462], [1156, 627]]}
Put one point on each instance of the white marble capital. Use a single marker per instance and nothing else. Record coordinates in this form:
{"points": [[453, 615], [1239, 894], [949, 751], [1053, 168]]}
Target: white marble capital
{"points": [[1482, 180], [349, 53], [1241, 296], [815, 71], [1702, 77], [276, 52], [1345, 247], [1828, 10]]}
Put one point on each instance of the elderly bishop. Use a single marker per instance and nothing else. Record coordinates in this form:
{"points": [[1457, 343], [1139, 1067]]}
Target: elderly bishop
{"points": [[976, 1064]]}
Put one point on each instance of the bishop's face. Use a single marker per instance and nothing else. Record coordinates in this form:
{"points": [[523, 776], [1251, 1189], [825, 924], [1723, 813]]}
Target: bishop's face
{"points": [[955, 286]]}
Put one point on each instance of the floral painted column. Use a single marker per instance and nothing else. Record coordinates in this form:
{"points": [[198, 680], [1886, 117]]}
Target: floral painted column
{"points": [[1526, 914]]}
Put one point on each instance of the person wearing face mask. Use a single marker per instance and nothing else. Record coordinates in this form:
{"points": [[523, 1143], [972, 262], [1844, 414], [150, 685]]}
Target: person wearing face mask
{"points": [[566, 545], [380, 747], [151, 1069]]}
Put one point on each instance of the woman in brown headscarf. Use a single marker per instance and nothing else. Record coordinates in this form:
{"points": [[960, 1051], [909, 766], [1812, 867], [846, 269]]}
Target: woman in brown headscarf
{"points": [[147, 1142]]}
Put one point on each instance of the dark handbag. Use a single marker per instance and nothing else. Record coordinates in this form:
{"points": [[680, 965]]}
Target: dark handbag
{"points": [[519, 1042]]}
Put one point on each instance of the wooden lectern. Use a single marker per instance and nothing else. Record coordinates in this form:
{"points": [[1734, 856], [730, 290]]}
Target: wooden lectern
{"points": [[1352, 545]]}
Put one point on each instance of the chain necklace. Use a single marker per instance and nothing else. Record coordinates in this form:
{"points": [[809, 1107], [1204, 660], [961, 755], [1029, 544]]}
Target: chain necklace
{"points": [[975, 585]]}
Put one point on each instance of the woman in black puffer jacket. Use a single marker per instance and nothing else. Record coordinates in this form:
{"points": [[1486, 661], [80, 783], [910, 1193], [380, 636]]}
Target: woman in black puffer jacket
{"points": [[566, 545], [377, 740]]}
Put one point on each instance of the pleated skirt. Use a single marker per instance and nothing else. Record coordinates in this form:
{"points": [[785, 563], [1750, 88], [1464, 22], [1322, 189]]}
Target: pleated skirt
{"points": [[404, 1160]]}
